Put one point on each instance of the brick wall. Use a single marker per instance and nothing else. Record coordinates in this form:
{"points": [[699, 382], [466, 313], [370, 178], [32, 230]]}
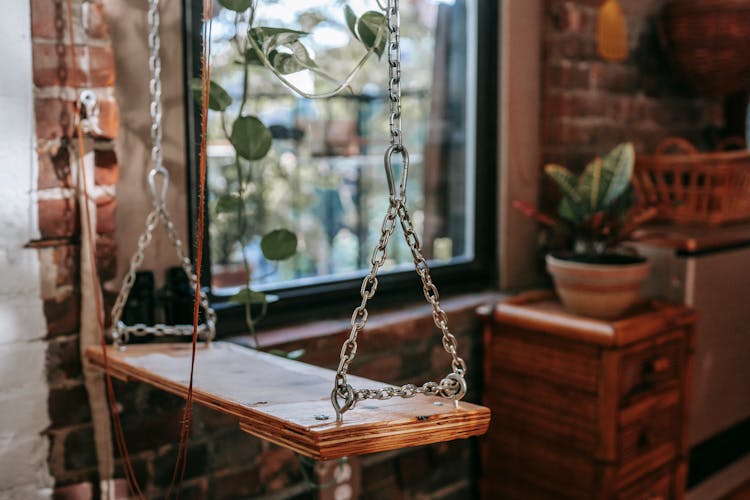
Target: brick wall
{"points": [[590, 105], [57, 81]]}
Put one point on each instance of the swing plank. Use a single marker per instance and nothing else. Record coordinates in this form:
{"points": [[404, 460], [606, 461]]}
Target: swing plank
{"points": [[281, 400]]}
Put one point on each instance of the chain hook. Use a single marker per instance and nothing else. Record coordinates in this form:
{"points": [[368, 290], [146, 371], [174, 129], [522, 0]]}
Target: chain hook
{"points": [[347, 397], [159, 197], [401, 149]]}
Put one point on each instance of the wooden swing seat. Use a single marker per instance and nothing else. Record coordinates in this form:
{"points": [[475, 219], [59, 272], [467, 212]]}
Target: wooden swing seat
{"points": [[288, 403]]}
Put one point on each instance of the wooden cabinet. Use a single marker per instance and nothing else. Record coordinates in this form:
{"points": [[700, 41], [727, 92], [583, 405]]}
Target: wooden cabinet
{"points": [[585, 408]]}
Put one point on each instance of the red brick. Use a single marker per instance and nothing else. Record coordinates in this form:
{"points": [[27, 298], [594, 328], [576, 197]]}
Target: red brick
{"points": [[383, 368], [106, 257], [567, 75], [54, 118], [77, 491], [97, 22], [68, 406], [244, 482], [194, 467], [149, 432], [63, 361], [63, 314], [279, 468], [52, 68], [45, 12], [567, 16], [107, 171], [109, 118], [235, 447], [54, 170], [569, 46], [58, 218], [67, 262], [102, 67], [44, 15], [105, 214], [619, 78]]}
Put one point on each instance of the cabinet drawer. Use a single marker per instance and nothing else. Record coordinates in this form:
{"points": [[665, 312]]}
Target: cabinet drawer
{"points": [[649, 369], [657, 486], [649, 434]]}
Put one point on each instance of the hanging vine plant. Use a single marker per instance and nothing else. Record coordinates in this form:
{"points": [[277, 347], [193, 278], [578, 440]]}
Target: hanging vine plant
{"points": [[280, 51]]}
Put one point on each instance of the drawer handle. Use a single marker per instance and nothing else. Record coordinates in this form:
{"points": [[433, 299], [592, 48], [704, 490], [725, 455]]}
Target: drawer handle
{"points": [[657, 365], [644, 439]]}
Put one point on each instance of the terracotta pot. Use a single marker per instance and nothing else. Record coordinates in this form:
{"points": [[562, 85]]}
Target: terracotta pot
{"points": [[603, 291]]}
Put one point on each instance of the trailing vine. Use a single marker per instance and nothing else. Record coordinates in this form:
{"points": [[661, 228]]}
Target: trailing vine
{"points": [[282, 52]]}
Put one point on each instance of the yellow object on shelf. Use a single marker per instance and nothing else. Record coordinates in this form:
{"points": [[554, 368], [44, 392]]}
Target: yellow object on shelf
{"points": [[611, 32]]}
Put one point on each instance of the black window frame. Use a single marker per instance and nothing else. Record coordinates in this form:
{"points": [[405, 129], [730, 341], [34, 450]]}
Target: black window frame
{"points": [[338, 298]]}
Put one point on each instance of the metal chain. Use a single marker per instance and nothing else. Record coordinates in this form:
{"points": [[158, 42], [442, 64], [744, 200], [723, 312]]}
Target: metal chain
{"points": [[393, 23], [120, 332], [154, 65], [453, 386]]}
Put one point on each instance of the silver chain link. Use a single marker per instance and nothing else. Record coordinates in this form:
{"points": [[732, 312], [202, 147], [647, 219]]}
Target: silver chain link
{"points": [[344, 397], [154, 66], [393, 23], [120, 332]]}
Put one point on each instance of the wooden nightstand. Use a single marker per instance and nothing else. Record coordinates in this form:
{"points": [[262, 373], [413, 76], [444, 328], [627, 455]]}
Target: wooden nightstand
{"points": [[585, 408]]}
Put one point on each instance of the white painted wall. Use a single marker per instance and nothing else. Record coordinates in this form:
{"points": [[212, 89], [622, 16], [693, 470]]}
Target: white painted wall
{"points": [[23, 382]]}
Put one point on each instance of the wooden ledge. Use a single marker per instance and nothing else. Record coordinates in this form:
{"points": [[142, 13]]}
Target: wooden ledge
{"points": [[540, 310], [281, 401]]}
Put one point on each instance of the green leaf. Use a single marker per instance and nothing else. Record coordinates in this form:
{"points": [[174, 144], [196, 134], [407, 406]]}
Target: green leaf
{"points": [[296, 354], [227, 203], [565, 180], [285, 63], [269, 38], [570, 212], [589, 184], [372, 30], [301, 54], [236, 5], [247, 296], [351, 20], [279, 244], [218, 98], [252, 57], [605, 179], [617, 172], [251, 138]]}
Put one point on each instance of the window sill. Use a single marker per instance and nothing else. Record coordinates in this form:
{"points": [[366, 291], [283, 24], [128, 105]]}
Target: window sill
{"points": [[389, 327]]}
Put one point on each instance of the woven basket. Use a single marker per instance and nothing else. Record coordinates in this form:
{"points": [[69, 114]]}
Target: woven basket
{"points": [[708, 41], [693, 187]]}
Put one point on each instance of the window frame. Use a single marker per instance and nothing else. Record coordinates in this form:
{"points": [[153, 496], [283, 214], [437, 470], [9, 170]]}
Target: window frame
{"points": [[337, 298]]}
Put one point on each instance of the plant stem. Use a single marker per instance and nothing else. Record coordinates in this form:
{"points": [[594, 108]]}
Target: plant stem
{"points": [[342, 86]]}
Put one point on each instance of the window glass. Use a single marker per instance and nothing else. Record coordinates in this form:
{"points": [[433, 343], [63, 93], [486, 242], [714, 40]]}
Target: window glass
{"points": [[324, 177]]}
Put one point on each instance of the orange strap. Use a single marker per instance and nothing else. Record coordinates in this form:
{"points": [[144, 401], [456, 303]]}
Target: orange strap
{"points": [[179, 469]]}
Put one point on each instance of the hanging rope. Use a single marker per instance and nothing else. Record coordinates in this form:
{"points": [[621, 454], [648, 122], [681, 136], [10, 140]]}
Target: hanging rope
{"points": [[187, 415], [132, 482]]}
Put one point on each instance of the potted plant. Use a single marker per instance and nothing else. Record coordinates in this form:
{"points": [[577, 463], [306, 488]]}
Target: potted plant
{"points": [[596, 275]]}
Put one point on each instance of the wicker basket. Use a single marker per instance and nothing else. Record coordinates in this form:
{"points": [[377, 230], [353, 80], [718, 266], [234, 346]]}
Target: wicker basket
{"points": [[708, 41], [695, 188]]}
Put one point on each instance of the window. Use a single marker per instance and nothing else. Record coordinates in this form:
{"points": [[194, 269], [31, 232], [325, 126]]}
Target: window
{"points": [[324, 178]]}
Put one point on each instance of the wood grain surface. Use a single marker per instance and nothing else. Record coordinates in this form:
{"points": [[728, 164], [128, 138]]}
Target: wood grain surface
{"points": [[283, 401]]}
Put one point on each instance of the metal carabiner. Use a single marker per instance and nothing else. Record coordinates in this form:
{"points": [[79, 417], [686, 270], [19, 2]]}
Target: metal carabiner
{"points": [[160, 198], [397, 148]]}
